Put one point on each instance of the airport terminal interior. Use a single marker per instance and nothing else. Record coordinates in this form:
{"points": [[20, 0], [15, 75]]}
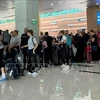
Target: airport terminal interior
{"points": [[49, 49]]}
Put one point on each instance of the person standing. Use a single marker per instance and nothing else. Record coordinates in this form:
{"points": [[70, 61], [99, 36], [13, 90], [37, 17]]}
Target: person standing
{"points": [[98, 42], [93, 41], [85, 37], [24, 42], [63, 48], [45, 52], [49, 41], [14, 44], [32, 59], [68, 44], [2, 65], [41, 35], [80, 48]]}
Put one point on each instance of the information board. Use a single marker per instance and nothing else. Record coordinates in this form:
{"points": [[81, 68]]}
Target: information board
{"points": [[98, 18]]}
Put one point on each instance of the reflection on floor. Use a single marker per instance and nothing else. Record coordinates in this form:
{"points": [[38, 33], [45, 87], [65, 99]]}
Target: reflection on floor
{"points": [[51, 84]]}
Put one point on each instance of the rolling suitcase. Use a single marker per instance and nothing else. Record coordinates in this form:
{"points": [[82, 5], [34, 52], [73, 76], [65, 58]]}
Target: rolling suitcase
{"points": [[88, 52], [19, 59], [12, 69]]}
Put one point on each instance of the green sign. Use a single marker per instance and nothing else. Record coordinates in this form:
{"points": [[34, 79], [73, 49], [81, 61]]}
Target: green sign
{"points": [[7, 21], [34, 21], [70, 11]]}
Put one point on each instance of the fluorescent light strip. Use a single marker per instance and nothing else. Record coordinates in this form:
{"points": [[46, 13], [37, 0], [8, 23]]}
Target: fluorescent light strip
{"points": [[53, 23], [64, 25], [56, 30], [63, 19], [68, 29], [75, 28], [7, 26], [83, 19], [69, 25], [77, 24], [49, 27]]}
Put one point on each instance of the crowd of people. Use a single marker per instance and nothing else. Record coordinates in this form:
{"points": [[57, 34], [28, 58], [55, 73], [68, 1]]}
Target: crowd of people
{"points": [[60, 50]]}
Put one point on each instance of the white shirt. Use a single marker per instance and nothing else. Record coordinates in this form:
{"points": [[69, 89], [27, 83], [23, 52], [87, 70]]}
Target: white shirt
{"points": [[14, 40], [64, 38], [31, 44]]}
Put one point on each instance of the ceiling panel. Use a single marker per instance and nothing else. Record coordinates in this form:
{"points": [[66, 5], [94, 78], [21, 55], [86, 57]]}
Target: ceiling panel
{"points": [[7, 7]]}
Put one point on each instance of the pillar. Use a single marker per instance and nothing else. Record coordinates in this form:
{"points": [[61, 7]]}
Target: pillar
{"points": [[92, 18], [25, 11]]}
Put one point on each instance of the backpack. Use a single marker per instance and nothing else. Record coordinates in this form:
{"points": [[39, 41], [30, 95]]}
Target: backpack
{"points": [[37, 51], [69, 40]]}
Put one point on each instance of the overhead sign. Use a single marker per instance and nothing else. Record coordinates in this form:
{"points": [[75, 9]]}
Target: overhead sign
{"points": [[98, 18], [7, 21], [70, 11]]}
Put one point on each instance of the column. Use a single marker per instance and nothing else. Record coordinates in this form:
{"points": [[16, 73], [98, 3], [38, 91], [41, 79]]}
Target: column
{"points": [[93, 18], [25, 11]]}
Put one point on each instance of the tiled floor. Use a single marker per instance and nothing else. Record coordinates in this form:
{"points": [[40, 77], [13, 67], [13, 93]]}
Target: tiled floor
{"points": [[51, 84]]}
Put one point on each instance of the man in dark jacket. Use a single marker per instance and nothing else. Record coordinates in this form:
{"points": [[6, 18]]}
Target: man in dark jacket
{"points": [[49, 40], [24, 42]]}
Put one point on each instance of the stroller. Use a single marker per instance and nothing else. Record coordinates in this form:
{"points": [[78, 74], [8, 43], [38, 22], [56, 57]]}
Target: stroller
{"points": [[15, 66]]}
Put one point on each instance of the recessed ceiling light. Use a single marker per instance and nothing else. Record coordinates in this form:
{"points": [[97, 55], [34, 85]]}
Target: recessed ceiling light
{"points": [[3, 4], [60, 2], [51, 4]]}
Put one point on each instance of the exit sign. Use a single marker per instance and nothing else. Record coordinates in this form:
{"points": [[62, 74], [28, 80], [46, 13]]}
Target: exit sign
{"points": [[34, 21]]}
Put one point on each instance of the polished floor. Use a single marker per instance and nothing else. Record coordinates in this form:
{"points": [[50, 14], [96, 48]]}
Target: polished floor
{"points": [[77, 83]]}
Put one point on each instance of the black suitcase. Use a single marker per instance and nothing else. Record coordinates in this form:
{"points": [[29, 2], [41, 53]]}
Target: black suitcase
{"points": [[19, 59], [12, 67]]}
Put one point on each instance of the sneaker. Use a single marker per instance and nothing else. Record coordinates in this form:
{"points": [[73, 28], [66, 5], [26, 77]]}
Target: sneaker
{"points": [[29, 73], [10, 74], [39, 71], [3, 79], [34, 74]]}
